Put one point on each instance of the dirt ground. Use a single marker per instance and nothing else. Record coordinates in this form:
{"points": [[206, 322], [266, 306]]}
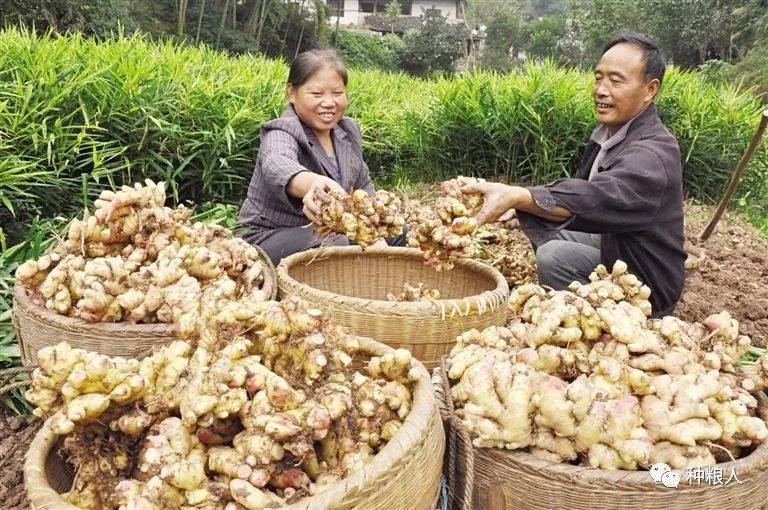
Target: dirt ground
{"points": [[15, 435], [733, 277]]}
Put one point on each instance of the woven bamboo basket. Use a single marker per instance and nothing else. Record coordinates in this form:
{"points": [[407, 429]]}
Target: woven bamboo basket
{"points": [[495, 479], [37, 327], [404, 475], [351, 285]]}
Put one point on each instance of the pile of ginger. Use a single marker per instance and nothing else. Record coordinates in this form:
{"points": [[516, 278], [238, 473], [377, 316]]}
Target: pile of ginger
{"points": [[444, 232], [257, 408], [585, 376], [137, 260], [362, 218]]}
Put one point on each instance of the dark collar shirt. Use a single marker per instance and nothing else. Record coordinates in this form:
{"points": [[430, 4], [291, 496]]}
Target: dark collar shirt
{"points": [[634, 200], [287, 147]]}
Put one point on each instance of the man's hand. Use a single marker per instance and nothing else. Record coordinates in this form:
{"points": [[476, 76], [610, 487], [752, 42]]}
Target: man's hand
{"points": [[318, 195], [381, 243], [498, 199]]}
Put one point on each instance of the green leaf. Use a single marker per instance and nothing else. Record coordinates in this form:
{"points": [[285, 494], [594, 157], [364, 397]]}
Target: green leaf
{"points": [[10, 350]]}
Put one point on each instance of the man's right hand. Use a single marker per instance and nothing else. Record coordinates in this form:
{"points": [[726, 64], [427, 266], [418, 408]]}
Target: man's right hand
{"points": [[498, 199], [317, 195]]}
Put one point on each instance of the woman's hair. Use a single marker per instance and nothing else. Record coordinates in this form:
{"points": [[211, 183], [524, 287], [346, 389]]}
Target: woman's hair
{"points": [[307, 63]]}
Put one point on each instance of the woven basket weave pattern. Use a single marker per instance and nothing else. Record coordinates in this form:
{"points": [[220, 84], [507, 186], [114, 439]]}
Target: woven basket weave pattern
{"points": [[37, 327], [404, 475], [532, 483], [352, 285]]}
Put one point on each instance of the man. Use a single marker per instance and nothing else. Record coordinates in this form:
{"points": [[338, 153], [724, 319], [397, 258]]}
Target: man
{"points": [[625, 201]]}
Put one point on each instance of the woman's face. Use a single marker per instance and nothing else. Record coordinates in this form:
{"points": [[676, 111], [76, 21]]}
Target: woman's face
{"points": [[321, 101]]}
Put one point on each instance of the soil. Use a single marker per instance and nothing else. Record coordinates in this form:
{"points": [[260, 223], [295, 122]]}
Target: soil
{"points": [[733, 276], [15, 435]]}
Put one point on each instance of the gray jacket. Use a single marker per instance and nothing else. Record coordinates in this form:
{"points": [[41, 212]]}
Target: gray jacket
{"points": [[288, 147]]}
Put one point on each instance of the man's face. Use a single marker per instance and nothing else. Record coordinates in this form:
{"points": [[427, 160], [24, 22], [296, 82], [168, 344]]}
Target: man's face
{"points": [[621, 91]]}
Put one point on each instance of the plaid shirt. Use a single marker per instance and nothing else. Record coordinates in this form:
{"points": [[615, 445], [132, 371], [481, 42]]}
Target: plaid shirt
{"points": [[288, 147]]}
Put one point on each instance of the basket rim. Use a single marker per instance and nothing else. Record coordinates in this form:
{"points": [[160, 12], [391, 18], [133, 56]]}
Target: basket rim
{"points": [[415, 430], [757, 460], [500, 292]]}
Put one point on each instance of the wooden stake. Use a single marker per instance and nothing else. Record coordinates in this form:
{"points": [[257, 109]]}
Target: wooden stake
{"points": [[737, 174]]}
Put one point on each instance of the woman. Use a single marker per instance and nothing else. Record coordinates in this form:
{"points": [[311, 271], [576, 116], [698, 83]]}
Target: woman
{"points": [[310, 150]]}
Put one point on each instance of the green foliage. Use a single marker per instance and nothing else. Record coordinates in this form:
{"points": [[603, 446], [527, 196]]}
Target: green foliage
{"points": [[751, 71], [528, 125], [435, 46], [292, 28], [214, 213], [39, 237], [699, 116], [370, 51], [543, 35], [99, 115], [504, 38], [75, 111], [689, 32], [393, 11], [102, 18]]}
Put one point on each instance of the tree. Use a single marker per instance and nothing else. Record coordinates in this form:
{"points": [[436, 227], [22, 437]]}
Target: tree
{"points": [[689, 32], [92, 18], [435, 46], [571, 48], [393, 13], [543, 36], [503, 41]]}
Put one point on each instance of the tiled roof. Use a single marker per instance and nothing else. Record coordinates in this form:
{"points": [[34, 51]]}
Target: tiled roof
{"points": [[381, 23]]}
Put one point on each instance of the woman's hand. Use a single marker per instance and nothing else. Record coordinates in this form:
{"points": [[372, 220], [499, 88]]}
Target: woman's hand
{"points": [[498, 200], [317, 195]]}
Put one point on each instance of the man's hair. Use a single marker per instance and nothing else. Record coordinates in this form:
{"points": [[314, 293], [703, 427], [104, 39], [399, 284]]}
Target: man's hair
{"points": [[309, 62], [653, 59]]}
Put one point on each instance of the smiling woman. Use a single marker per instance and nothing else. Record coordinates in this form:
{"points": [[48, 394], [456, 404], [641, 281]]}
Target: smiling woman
{"points": [[310, 150]]}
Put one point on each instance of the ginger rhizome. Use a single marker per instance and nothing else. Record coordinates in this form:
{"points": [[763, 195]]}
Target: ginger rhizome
{"points": [[585, 376], [419, 292], [445, 231], [136, 260], [265, 410], [362, 218]]}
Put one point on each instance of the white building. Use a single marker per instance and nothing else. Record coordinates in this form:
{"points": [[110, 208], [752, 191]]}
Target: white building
{"points": [[354, 12]]}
